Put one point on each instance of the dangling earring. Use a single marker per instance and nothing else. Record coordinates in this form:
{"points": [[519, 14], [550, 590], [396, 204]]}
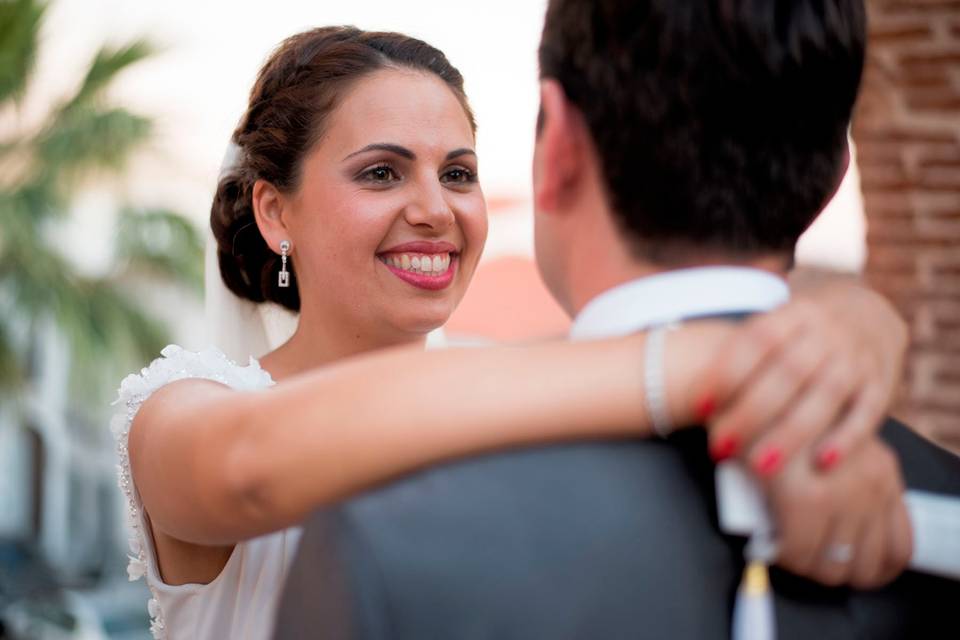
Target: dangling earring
{"points": [[284, 277]]}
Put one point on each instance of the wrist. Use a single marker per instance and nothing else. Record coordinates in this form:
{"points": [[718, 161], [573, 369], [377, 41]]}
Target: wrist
{"points": [[688, 356]]}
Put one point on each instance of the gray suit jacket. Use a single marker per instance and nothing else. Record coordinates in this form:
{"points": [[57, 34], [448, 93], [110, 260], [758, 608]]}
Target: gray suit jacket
{"points": [[597, 540]]}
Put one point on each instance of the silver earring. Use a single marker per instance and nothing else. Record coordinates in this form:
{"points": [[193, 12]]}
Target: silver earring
{"points": [[284, 279]]}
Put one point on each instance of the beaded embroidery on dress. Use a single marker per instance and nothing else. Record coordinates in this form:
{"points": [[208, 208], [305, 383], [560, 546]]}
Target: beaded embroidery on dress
{"points": [[174, 364]]}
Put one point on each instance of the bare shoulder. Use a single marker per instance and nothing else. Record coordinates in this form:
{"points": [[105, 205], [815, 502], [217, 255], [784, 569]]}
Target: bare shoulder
{"points": [[179, 402], [181, 386]]}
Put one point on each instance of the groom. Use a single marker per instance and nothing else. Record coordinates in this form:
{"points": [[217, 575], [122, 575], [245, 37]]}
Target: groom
{"points": [[674, 134]]}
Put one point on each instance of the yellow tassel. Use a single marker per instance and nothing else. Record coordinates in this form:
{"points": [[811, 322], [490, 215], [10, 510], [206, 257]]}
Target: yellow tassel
{"points": [[753, 616], [756, 580]]}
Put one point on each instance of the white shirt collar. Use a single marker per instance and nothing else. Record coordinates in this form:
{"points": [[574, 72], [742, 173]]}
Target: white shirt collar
{"points": [[676, 295]]}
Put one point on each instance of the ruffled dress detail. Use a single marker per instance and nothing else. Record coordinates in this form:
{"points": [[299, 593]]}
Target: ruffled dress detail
{"points": [[174, 364]]}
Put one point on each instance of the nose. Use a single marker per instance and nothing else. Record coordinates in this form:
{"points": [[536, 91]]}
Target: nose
{"points": [[429, 206]]}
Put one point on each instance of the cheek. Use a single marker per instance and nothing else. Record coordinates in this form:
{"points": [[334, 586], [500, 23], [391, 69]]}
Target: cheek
{"points": [[356, 227], [473, 221]]}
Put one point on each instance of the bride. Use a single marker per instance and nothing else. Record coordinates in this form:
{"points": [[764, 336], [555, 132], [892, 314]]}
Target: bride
{"points": [[354, 201]]}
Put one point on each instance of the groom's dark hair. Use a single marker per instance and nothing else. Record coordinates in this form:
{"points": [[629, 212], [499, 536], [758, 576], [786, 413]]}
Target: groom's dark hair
{"points": [[721, 125]]}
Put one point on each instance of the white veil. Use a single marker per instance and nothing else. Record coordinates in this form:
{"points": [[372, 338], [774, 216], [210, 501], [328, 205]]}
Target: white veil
{"points": [[240, 328]]}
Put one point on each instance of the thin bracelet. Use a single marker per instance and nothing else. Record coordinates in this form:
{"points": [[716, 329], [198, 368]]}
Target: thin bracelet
{"points": [[654, 388]]}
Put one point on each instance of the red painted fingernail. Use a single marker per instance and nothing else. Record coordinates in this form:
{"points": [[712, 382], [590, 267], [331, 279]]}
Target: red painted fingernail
{"points": [[768, 463], [828, 458], [724, 449], [706, 407]]}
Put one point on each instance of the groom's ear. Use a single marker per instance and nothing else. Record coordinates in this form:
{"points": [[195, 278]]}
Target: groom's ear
{"points": [[268, 206], [558, 156]]}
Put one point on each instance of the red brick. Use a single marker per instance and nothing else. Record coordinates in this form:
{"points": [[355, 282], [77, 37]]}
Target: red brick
{"points": [[884, 178], [901, 134], [947, 56], [915, 7], [897, 205], [900, 31], [924, 76], [871, 151], [939, 157], [939, 180], [945, 100], [892, 257], [907, 129]]}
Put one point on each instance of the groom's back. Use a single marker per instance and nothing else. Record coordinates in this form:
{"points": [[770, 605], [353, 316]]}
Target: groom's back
{"points": [[603, 540], [560, 542]]}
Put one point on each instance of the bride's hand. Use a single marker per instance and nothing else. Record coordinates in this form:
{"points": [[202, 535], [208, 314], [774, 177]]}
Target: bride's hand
{"points": [[848, 527], [814, 377]]}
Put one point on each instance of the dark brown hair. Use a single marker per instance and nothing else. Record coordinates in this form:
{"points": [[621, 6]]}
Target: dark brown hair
{"points": [[721, 124], [300, 85]]}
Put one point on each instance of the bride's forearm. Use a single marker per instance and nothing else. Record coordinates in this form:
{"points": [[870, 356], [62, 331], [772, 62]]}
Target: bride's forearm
{"points": [[336, 431]]}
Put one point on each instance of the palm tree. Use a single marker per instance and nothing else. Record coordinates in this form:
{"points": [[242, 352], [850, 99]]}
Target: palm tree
{"points": [[82, 135]]}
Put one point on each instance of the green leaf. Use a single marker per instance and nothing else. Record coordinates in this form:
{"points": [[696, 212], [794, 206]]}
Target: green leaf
{"points": [[162, 242], [108, 62], [19, 30], [89, 138], [107, 332], [11, 368], [108, 335]]}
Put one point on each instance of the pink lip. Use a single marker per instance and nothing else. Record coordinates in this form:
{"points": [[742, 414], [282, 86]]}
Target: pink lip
{"points": [[423, 246], [430, 283]]}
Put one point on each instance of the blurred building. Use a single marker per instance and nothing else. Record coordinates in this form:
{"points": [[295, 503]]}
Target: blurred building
{"points": [[908, 135]]}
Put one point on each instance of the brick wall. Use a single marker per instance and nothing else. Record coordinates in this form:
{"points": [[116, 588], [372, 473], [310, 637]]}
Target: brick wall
{"points": [[907, 131]]}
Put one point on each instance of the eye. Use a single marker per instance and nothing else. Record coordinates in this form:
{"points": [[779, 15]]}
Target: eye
{"points": [[459, 175], [380, 174]]}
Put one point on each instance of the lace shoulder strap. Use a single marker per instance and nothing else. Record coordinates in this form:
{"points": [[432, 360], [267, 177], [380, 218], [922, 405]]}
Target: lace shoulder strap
{"points": [[174, 363]]}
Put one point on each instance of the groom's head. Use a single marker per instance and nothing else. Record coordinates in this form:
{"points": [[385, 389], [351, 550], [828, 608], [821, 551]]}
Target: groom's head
{"points": [[683, 132]]}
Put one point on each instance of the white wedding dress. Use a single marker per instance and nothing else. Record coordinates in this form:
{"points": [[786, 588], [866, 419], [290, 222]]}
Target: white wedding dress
{"points": [[241, 602]]}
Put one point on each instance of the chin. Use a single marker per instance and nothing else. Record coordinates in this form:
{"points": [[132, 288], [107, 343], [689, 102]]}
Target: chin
{"points": [[423, 321]]}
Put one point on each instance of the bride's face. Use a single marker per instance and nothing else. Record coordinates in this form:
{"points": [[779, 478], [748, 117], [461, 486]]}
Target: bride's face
{"points": [[389, 221]]}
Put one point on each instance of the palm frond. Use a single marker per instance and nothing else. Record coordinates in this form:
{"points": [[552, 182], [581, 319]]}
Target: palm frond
{"points": [[89, 138], [162, 242], [19, 32], [108, 62], [38, 280], [11, 368], [108, 336], [106, 331]]}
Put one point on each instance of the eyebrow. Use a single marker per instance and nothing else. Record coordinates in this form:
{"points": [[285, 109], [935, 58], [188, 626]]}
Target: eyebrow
{"points": [[456, 153], [403, 152]]}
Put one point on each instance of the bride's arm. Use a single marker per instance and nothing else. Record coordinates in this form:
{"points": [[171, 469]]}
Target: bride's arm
{"points": [[250, 463], [215, 466]]}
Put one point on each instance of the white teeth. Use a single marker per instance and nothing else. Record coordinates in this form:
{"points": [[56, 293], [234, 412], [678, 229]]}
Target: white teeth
{"points": [[428, 265]]}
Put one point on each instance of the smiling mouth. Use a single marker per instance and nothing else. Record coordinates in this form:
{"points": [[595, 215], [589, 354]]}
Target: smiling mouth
{"points": [[432, 265], [430, 271]]}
